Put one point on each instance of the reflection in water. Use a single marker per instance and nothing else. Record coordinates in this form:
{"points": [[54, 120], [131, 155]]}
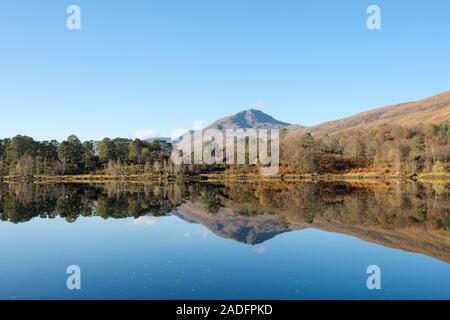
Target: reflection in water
{"points": [[409, 216]]}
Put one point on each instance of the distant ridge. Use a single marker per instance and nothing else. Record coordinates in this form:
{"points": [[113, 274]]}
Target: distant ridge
{"points": [[435, 110]]}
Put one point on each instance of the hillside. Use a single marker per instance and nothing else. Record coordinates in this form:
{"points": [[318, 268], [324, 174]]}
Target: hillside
{"points": [[434, 110]]}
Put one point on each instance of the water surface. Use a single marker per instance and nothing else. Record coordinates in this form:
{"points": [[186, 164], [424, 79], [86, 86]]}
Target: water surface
{"points": [[231, 241]]}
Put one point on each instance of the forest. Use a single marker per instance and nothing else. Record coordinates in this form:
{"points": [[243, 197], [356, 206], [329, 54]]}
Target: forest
{"points": [[23, 156], [388, 149]]}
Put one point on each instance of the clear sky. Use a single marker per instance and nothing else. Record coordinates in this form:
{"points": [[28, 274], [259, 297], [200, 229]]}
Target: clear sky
{"points": [[159, 65]]}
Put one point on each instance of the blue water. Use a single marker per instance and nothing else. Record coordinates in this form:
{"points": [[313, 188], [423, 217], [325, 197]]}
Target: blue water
{"points": [[167, 258]]}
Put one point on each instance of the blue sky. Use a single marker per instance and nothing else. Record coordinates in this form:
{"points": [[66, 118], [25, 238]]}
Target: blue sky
{"points": [[159, 65]]}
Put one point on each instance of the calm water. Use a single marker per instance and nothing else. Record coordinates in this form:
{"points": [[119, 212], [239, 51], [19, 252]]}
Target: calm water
{"points": [[235, 241]]}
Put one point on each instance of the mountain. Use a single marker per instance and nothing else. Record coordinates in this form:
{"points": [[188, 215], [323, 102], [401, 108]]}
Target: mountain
{"points": [[227, 224], [250, 119], [247, 119], [255, 230], [434, 110]]}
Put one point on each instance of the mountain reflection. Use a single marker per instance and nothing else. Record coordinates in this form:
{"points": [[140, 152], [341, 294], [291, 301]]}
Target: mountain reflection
{"points": [[409, 216]]}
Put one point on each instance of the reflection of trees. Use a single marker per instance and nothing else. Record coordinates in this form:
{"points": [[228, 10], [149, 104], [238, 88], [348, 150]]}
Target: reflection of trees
{"points": [[419, 209], [111, 208], [211, 198], [21, 203], [410, 216], [132, 206], [389, 205], [69, 207], [16, 212]]}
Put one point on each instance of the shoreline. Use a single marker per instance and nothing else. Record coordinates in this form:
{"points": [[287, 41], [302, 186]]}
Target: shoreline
{"points": [[217, 177]]}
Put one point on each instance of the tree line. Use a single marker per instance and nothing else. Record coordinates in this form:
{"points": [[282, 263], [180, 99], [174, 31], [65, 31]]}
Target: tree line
{"points": [[386, 149], [24, 156]]}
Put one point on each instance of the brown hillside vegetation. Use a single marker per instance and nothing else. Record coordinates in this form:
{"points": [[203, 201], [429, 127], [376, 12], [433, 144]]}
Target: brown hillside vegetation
{"points": [[433, 110], [407, 138]]}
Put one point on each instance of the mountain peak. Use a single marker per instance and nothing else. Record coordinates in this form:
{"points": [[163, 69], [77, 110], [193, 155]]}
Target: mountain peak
{"points": [[249, 119]]}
